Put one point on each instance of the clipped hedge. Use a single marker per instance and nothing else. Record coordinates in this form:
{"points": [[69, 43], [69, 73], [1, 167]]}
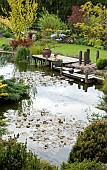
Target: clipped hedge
{"points": [[91, 144], [101, 63], [84, 165]]}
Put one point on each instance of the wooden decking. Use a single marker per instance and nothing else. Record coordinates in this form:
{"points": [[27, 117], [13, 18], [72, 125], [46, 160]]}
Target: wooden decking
{"points": [[65, 60], [77, 74]]}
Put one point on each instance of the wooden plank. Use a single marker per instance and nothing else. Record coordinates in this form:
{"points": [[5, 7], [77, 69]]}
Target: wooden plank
{"points": [[66, 60], [77, 75]]}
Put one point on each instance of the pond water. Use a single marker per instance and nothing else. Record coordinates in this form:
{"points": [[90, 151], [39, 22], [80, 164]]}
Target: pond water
{"points": [[53, 115]]}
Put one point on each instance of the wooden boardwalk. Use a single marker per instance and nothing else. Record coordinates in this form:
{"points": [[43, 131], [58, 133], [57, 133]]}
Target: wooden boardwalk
{"points": [[81, 77], [65, 70], [65, 60]]}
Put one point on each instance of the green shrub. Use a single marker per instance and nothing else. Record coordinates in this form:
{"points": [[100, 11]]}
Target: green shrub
{"points": [[99, 47], [7, 34], [104, 88], [50, 21], [101, 63], [81, 41], [3, 125], [38, 35], [85, 165], [35, 49], [14, 156], [2, 30], [22, 54], [91, 144], [6, 47], [14, 90]]}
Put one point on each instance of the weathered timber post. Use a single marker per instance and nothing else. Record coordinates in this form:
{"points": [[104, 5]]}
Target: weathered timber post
{"points": [[85, 58], [86, 72], [61, 71], [97, 55], [88, 56], [80, 57]]}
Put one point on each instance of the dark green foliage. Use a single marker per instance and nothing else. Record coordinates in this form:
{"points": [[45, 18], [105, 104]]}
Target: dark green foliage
{"points": [[91, 144], [62, 8], [85, 165], [15, 90], [3, 125], [101, 63], [22, 54], [14, 156], [6, 47], [7, 34], [104, 88], [103, 104], [81, 41]]}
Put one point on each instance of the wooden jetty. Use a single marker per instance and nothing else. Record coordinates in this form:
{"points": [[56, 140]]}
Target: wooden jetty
{"points": [[76, 74], [65, 60]]}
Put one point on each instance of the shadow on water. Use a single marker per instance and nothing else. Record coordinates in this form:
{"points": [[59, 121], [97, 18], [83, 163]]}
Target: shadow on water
{"points": [[84, 86]]}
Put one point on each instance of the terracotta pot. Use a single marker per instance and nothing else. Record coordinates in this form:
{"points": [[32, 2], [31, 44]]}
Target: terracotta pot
{"points": [[46, 53]]}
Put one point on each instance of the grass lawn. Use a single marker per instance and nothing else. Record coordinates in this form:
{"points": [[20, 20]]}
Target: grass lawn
{"points": [[73, 49], [70, 49]]}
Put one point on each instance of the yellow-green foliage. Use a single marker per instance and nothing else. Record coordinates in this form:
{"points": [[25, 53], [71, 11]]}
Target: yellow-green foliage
{"points": [[104, 88], [22, 16], [84, 165], [4, 22], [35, 49], [2, 86], [94, 26]]}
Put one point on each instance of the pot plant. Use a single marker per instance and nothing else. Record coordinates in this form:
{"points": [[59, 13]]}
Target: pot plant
{"points": [[47, 44]]}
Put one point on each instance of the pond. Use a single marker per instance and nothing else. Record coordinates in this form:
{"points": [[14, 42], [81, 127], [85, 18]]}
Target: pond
{"points": [[53, 115]]}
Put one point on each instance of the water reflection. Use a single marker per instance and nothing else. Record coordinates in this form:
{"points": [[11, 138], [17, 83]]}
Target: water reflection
{"points": [[55, 112]]}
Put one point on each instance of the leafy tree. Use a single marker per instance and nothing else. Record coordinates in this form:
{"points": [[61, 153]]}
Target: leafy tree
{"points": [[77, 15], [50, 21], [94, 26], [4, 22], [22, 16], [4, 8], [60, 8]]}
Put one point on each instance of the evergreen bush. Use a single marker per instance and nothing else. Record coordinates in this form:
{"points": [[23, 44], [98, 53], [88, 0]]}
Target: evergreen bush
{"points": [[7, 34], [14, 156], [91, 144], [104, 88], [84, 165], [6, 47], [101, 63], [13, 90]]}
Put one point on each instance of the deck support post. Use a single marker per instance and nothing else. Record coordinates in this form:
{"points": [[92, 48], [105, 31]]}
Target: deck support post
{"points": [[80, 57]]}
